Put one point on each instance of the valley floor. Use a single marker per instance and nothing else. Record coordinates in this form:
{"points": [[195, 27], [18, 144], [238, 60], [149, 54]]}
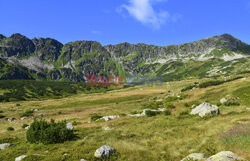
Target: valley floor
{"points": [[160, 137]]}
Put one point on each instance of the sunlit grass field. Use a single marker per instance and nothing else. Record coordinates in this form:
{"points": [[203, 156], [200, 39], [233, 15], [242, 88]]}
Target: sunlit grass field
{"points": [[161, 137]]}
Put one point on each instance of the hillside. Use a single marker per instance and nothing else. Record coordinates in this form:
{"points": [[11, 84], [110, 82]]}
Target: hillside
{"points": [[48, 59], [166, 136]]}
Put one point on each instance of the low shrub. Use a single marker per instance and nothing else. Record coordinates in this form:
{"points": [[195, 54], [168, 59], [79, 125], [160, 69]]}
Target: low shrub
{"points": [[186, 105], [167, 112], [152, 113], [27, 113], [153, 105], [188, 88], [231, 103], [49, 132], [184, 113], [76, 123], [219, 104], [1, 111], [2, 116], [171, 106], [24, 126], [95, 116], [10, 129]]}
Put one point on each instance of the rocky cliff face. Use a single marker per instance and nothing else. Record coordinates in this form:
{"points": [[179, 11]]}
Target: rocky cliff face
{"points": [[47, 49], [46, 58]]}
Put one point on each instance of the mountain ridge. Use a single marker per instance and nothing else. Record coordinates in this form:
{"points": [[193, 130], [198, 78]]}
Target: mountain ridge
{"points": [[47, 58]]}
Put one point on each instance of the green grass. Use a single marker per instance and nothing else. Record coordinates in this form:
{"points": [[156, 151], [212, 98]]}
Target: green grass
{"points": [[170, 135]]}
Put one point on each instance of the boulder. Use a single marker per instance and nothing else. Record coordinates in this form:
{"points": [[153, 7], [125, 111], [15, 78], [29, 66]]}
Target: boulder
{"points": [[108, 118], [104, 151], [205, 109], [194, 156], [5, 145], [20, 157], [223, 100], [224, 156], [69, 126]]}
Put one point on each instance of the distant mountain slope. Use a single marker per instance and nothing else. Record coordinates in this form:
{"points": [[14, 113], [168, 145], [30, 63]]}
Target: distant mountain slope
{"points": [[49, 59]]}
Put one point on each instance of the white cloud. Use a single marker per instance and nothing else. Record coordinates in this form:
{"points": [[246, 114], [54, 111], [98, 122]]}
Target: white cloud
{"points": [[143, 11]]}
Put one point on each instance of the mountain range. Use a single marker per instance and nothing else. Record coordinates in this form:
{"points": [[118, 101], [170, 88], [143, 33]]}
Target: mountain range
{"points": [[48, 59]]}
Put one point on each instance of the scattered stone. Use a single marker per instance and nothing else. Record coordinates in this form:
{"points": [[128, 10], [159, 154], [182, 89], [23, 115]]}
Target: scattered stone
{"points": [[243, 122], [194, 156], [35, 110], [69, 126], [224, 156], [159, 100], [65, 154], [108, 118], [205, 109], [11, 119], [223, 100], [83, 160], [193, 106], [248, 108], [20, 157], [104, 151], [234, 99], [27, 127], [42, 114], [5, 145], [107, 128], [243, 78], [143, 113], [23, 118]]}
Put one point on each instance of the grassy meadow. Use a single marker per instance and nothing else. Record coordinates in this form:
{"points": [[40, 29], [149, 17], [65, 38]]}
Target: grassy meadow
{"points": [[164, 137]]}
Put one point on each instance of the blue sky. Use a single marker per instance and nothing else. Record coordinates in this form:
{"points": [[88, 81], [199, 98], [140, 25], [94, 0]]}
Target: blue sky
{"points": [[158, 22]]}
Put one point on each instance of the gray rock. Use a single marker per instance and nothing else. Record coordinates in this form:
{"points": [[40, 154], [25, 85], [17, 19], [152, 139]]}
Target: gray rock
{"points": [[69, 126], [224, 156], [143, 113], [108, 118], [23, 118], [5, 145], [104, 151], [194, 156], [205, 109], [107, 128], [20, 157], [11, 119], [27, 127], [42, 114], [223, 100], [83, 160]]}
